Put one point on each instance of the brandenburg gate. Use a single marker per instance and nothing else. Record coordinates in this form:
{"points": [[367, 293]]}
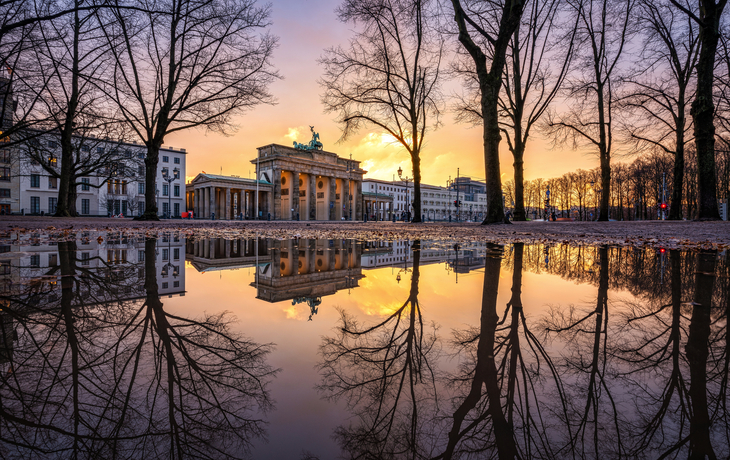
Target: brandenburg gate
{"points": [[302, 182]]}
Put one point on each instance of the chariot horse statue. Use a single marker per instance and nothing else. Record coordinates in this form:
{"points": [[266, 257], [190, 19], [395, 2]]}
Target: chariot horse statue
{"points": [[314, 144]]}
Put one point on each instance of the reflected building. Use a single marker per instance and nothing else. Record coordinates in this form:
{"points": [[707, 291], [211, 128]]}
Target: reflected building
{"points": [[213, 254], [398, 254], [114, 258], [302, 271]]}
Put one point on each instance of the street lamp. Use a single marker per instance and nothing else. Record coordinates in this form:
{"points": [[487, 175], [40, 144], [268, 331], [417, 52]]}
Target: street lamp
{"points": [[167, 178], [408, 204]]}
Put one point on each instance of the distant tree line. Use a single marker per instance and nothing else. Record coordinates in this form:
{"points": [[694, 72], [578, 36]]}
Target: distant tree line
{"points": [[640, 190], [140, 70]]}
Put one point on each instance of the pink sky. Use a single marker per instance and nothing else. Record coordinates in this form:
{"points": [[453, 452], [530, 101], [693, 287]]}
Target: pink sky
{"points": [[305, 29]]}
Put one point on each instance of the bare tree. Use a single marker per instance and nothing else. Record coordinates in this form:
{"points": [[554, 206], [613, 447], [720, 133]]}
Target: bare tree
{"points": [[493, 23], [389, 75], [182, 64], [703, 106], [69, 54], [534, 73], [604, 28], [659, 96]]}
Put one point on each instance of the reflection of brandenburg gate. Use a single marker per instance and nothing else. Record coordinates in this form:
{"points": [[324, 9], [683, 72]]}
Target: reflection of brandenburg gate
{"points": [[293, 269], [310, 269]]}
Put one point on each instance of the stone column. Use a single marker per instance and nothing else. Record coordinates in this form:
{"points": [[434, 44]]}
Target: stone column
{"points": [[228, 248], [357, 200], [196, 201], [312, 192], [294, 189], [346, 199], [211, 198], [276, 212], [228, 203], [203, 202], [333, 196]]}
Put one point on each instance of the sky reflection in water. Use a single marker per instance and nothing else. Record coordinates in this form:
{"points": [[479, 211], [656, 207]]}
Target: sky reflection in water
{"points": [[150, 348]]}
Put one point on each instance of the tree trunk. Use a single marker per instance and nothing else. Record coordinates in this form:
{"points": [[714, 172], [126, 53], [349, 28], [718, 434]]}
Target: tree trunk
{"points": [[519, 166], [150, 185], [703, 111], [72, 195], [605, 184], [490, 87]]}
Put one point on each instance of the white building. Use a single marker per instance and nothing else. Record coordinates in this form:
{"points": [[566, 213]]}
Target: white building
{"points": [[437, 203], [123, 191]]}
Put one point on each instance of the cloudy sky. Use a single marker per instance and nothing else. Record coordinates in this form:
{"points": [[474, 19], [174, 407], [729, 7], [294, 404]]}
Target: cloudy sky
{"points": [[305, 28]]}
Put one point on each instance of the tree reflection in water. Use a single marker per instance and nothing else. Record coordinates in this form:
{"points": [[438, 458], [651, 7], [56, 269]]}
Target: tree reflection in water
{"points": [[384, 373], [99, 374], [617, 378], [511, 421]]}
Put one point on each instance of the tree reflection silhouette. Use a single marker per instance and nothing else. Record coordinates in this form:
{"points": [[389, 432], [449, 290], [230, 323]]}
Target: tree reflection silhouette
{"points": [[384, 374], [510, 421], [124, 378]]}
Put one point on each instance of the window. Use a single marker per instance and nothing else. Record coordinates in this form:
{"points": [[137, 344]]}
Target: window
{"points": [[52, 260], [35, 180], [176, 206], [85, 148], [52, 161], [165, 172], [84, 258], [164, 285], [52, 144], [176, 160], [35, 261], [165, 159], [165, 208], [165, 189], [52, 182], [140, 154], [176, 190], [5, 174], [35, 205], [100, 150], [140, 188], [4, 156], [4, 193], [85, 184], [165, 254], [140, 256], [176, 253], [85, 206], [140, 170], [52, 205], [176, 284]]}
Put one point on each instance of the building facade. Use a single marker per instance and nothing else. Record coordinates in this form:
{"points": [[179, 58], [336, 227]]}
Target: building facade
{"points": [[117, 188], [310, 184], [437, 203]]}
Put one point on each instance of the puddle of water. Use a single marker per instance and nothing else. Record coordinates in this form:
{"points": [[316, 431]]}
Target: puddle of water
{"points": [[327, 348]]}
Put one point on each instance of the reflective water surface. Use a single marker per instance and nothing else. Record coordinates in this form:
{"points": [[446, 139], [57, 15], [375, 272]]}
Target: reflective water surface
{"points": [[112, 347]]}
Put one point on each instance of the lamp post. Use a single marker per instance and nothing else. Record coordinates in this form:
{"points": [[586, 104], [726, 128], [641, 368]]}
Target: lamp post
{"points": [[408, 204], [167, 178]]}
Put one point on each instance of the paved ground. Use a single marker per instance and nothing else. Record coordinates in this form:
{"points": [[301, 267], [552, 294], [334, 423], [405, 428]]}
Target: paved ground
{"points": [[714, 235]]}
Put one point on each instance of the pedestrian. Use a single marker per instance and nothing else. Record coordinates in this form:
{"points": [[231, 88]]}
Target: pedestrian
{"points": [[554, 216]]}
